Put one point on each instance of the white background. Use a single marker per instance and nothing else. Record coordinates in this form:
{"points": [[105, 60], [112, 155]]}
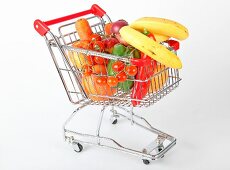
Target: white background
{"points": [[33, 104]]}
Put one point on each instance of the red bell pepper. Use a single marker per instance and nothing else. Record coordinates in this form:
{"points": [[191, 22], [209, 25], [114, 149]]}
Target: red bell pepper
{"points": [[140, 89], [174, 44], [146, 71]]}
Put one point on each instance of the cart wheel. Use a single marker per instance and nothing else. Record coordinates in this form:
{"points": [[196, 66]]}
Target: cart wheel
{"points": [[114, 121], [146, 161], [159, 149], [80, 148]]}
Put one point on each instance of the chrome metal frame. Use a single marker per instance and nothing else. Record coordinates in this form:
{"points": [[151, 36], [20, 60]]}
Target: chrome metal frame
{"points": [[156, 148], [72, 136]]}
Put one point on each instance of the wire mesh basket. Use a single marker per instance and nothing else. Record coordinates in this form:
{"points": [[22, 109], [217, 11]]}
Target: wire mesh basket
{"points": [[155, 82]]}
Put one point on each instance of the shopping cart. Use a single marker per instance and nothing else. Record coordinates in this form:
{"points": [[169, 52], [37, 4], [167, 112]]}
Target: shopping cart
{"points": [[119, 100]]}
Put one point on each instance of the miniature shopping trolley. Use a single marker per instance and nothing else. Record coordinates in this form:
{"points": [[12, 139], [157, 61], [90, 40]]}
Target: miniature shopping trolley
{"points": [[120, 101]]}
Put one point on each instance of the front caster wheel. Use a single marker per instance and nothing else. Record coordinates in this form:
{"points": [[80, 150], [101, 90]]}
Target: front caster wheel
{"points": [[159, 149], [146, 161], [114, 121], [79, 148]]}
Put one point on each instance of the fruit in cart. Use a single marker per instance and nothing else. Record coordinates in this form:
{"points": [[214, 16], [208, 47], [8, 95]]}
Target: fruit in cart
{"points": [[83, 29], [161, 38], [95, 37], [116, 28], [100, 60], [118, 66], [112, 81], [132, 52], [119, 50], [109, 44], [148, 46], [131, 70], [85, 44], [161, 26], [127, 85], [122, 77], [107, 28], [174, 44], [80, 59], [141, 87], [86, 70], [99, 46], [160, 78], [149, 34], [156, 37], [101, 81], [99, 69], [93, 90], [121, 40]]}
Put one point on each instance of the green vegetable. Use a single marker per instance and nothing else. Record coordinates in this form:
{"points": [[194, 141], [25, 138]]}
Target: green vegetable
{"points": [[126, 86], [132, 52], [110, 69], [119, 50]]}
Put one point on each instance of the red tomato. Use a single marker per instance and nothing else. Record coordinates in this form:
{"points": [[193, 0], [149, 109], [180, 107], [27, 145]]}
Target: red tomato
{"points": [[118, 66], [95, 37], [112, 81], [121, 76], [101, 81], [98, 46], [131, 70], [100, 60], [86, 70]]}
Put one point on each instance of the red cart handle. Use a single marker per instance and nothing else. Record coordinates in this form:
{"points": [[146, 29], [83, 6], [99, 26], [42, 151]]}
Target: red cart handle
{"points": [[42, 27]]}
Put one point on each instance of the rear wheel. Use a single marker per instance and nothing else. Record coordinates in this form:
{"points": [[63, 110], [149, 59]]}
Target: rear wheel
{"points": [[79, 147], [146, 161]]}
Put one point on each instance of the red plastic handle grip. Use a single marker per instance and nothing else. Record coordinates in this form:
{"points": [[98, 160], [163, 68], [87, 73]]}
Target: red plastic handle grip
{"points": [[42, 27]]}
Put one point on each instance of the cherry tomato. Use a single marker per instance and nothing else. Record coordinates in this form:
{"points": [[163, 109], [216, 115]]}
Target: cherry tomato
{"points": [[86, 70], [98, 46], [121, 76], [95, 37], [101, 81], [131, 70], [112, 81], [118, 66], [100, 60]]}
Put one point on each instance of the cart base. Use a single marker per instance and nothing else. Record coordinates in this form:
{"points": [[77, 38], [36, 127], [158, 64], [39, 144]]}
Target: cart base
{"points": [[156, 149]]}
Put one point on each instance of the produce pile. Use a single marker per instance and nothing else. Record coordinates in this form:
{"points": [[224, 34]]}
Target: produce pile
{"points": [[150, 44]]}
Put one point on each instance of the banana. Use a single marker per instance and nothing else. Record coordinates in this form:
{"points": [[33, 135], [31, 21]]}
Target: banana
{"points": [[160, 38], [161, 26], [148, 46]]}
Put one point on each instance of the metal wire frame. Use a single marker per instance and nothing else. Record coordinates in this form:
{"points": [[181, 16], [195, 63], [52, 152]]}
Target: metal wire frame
{"points": [[149, 152], [69, 72], [71, 77]]}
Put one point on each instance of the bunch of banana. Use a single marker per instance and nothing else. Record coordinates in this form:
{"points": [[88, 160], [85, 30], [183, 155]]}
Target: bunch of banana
{"points": [[150, 47], [161, 27]]}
